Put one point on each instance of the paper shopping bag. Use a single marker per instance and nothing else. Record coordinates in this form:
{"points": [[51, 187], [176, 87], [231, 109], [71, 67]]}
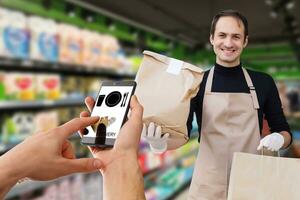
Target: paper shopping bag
{"points": [[257, 177], [165, 87]]}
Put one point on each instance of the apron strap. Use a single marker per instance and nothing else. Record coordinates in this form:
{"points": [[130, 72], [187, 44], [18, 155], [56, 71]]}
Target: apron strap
{"points": [[252, 89], [209, 80]]}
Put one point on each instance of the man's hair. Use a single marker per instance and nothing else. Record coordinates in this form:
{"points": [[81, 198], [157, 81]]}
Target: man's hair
{"points": [[229, 13]]}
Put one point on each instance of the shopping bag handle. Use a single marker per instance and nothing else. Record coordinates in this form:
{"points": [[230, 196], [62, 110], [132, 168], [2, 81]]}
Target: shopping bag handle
{"points": [[263, 150]]}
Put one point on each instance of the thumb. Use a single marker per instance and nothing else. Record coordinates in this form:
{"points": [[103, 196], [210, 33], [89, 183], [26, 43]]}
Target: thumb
{"points": [[83, 165]]}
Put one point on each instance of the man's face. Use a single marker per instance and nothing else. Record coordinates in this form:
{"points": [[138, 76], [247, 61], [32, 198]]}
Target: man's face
{"points": [[228, 41]]}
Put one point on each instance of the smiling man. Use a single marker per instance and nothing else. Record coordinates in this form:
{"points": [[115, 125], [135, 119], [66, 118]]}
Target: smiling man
{"points": [[229, 107]]}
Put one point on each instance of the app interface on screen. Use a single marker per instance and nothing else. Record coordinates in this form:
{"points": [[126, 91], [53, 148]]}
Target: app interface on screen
{"points": [[110, 107]]}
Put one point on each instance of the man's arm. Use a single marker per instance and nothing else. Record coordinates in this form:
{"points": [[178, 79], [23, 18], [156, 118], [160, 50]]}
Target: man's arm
{"points": [[287, 138], [122, 176], [56, 159], [8, 176], [123, 179]]}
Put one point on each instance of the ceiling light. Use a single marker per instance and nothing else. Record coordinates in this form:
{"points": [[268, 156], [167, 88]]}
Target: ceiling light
{"points": [[71, 14], [269, 2], [273, 14], [290, 5], [90, 19]]}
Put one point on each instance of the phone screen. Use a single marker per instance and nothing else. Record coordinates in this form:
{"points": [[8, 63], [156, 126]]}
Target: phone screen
{"points": [[111, 106]]}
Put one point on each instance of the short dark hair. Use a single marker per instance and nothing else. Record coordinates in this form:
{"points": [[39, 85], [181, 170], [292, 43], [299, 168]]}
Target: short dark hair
{"points": [[229, 13]]}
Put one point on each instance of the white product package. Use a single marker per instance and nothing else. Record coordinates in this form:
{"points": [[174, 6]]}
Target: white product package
{"points": [[44, 39], [14, 35]]}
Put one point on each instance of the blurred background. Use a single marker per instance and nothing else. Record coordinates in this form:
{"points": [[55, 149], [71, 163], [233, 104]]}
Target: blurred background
{"points": [[53, 53]]}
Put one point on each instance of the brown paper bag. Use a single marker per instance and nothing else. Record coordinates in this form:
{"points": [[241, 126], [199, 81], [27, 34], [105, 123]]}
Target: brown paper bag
{"points": [[257, 177], [165, 87]]}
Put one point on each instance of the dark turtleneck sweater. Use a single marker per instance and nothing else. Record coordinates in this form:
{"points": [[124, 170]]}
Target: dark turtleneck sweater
{"points": [[232, 79]]}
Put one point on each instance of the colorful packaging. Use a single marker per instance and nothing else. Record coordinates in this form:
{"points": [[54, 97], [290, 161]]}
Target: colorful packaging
{"points": [[2, 86], [45, 121], [17, 127], [70, 44], [110, 47], [44, 39], [13, 33], [48, 86], [20, 86], [91, 48]]}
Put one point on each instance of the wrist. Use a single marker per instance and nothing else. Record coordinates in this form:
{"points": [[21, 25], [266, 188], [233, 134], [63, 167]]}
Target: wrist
{"points": [[125, 176]]}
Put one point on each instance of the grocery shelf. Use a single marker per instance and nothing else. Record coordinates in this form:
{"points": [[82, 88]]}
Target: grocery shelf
{"points": [[37, 105], [6, 147], [59, 68], [31, 185]]}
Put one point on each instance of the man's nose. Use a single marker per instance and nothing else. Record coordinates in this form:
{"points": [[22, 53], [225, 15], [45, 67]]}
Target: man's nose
{"points": [[228, 42]]}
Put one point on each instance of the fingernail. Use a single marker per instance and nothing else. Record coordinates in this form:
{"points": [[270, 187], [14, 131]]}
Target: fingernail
{"points": [[97, 164]]}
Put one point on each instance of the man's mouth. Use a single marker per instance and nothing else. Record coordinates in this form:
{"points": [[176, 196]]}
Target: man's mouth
{"points": [[228, 50]]}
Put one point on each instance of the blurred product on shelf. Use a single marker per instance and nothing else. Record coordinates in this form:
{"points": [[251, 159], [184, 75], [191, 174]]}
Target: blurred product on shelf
{"points": [[14, 35], [17, 127], [48, 87], [46, 120], [43, 39], [2, 86], [110, 47], [73, 87], [150, 161], [27, 87], [74, 187], [70, 46], [92, 48], [19, 86]]}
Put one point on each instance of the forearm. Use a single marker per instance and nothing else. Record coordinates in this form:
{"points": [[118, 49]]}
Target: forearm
{"points": [[123, 179], [8, 176], [287, 138]]}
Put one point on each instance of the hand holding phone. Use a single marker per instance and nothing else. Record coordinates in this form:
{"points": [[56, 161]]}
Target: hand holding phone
{"points": [[112, 107]]}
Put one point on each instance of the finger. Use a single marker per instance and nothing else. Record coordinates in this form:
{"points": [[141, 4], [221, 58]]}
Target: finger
{"points": [[144, 131], [158, 132], [151, 130], [83, 131], [90, 103], [260, 146], [76, 124], [67, 150], [166, 136], [82, 165], [84, 114], [136, 109]]}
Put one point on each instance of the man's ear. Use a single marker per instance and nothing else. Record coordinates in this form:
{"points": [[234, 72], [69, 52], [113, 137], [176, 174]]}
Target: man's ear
{"points": [[211, 39], [245, 41]]}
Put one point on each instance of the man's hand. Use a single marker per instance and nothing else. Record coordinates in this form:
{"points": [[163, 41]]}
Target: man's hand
{"points": [[272, 142], [153, 135], [128, 139], [45, 156], [122, 177]]}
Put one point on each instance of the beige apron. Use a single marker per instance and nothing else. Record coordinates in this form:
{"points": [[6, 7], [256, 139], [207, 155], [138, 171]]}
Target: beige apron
{"points": [[229, 124]]}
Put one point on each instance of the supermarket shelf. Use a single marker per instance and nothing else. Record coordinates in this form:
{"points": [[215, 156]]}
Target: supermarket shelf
{"points": [[179, 190], [33, 105], [59, 68], [6, 147], [30, 185]]}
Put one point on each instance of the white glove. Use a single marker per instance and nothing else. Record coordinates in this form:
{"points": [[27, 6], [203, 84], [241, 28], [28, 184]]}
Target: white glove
{"points": [[156, 139], [272, 142]]}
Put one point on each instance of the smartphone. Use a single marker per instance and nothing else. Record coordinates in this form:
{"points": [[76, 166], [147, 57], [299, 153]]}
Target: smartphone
{"points": [[112, 106]]}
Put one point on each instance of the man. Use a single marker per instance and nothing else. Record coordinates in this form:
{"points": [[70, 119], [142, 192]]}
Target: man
{"points": [[49, 155], [229, 107]]}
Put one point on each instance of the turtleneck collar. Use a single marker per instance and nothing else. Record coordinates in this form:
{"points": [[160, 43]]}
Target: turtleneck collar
{"points": [[222, 69]]}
